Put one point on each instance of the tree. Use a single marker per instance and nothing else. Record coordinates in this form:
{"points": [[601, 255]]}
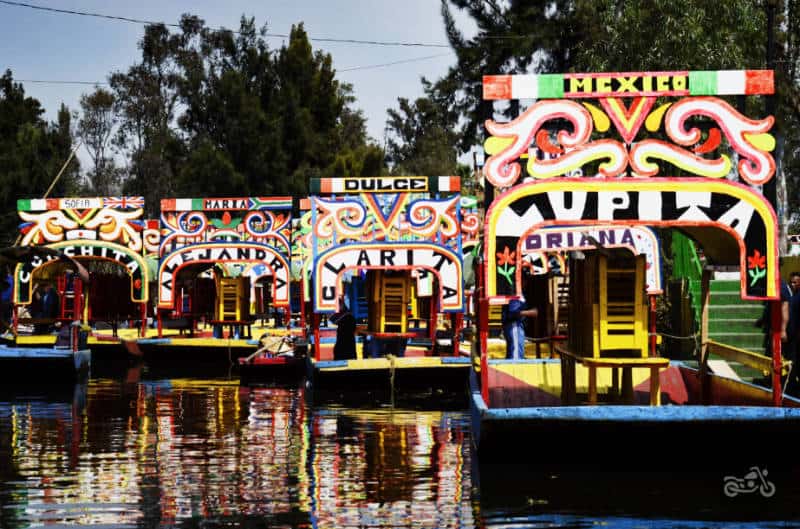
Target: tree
{"points": [[63, 142], [95, 129], [32, 152], [146, 97], [268, 120], [209, 169], [421, 138]]}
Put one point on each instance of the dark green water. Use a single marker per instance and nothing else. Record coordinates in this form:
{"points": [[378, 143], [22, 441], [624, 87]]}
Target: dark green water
{"points": [[209, 453]]}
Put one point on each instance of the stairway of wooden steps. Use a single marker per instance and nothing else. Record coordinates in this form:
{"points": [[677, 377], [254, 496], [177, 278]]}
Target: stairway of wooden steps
{"points": [[731, 320]]}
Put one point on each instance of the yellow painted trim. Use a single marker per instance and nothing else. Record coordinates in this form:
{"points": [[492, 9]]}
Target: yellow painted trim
{"points": [[405, 362], [546, 376]]}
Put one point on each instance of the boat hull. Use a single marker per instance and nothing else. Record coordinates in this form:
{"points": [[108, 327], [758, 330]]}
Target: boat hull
{"points": [[633, 437], [53, 365], [282, 370], [403, 379]]}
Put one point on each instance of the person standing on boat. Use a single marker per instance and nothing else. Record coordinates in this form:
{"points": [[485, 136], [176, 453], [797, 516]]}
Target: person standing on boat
{"points": [[345, 346], [50, 302], [6, 301], [793, 336], [513, 319], [765, 321]]}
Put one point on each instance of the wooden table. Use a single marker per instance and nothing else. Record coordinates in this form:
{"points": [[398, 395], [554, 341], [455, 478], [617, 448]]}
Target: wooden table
{"points": [[568, 361]]}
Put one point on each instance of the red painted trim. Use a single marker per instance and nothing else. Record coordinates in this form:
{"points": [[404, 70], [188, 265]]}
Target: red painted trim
{"points": [[302, 307], [652, 325], [317, 349], [496, 87], [777, 320], [144, 320], [759, 82], [455, 183]]}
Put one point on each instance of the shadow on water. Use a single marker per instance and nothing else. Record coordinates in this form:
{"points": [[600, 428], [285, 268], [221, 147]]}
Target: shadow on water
{"points": [[384, 398], [762, 497]]}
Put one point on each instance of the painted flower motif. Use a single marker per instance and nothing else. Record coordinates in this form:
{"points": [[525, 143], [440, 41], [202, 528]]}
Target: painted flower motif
{"points": [[757, 267], [506, 257], [757, 260]]}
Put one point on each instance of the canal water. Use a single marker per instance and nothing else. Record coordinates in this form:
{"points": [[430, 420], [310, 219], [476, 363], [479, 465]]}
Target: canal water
{"points": [[205, 452]]}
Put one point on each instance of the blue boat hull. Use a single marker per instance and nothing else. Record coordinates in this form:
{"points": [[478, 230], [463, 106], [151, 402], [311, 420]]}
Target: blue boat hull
{"points": [[632, 437], [53, 365]]}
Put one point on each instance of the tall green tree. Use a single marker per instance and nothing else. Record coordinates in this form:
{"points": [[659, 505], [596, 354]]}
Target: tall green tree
{"points": [[146, 97], [421, 136], [95, 128], [266, 120], [32, 152]]}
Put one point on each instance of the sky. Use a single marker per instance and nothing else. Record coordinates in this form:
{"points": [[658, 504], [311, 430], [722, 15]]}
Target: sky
{"points": [[39, 45]]}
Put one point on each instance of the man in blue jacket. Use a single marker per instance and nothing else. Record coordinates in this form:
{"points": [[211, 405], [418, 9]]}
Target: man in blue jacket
{"points": [[513, 319]]}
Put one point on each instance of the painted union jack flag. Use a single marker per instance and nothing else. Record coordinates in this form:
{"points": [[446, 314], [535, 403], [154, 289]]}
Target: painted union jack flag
{"points": [[123, 202]]}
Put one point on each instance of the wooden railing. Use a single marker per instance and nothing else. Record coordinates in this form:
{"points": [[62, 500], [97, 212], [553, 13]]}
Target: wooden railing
{"points": [[744, 357]]}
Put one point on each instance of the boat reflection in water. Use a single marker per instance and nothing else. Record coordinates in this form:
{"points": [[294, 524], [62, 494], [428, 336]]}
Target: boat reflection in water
{"points": [[177, 452], [189, 452], [390, 468]]}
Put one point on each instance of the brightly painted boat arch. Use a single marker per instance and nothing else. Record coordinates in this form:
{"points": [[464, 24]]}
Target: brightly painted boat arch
{"points": [[444, 263], [223, 252], [102, 228], [390, 223], [132, 261], [640, 240], [675, 202], [225, 230]]}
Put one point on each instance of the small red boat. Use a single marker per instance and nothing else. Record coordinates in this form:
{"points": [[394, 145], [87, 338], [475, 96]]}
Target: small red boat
{"points": [[279, 359]]}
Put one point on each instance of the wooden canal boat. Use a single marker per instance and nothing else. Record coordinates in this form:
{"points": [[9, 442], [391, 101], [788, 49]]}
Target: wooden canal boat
{"points": [[94, 231], [66, 362], [608, 398], [279, 359], [390, 248]]}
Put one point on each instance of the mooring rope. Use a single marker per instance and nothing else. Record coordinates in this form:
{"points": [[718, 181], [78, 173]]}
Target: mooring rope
{"points": [[391, 358]]}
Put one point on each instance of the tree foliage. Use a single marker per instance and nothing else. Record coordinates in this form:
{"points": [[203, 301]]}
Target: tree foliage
{"points": [[32, 152], [422, 136], [264, 120], [95, 129]]}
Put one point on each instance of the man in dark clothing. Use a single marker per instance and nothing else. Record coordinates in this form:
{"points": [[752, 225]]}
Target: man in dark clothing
{"points": [[50, 306], [793, 335], [50, 303], [765, 321], [345, 347], [513, 320]]}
